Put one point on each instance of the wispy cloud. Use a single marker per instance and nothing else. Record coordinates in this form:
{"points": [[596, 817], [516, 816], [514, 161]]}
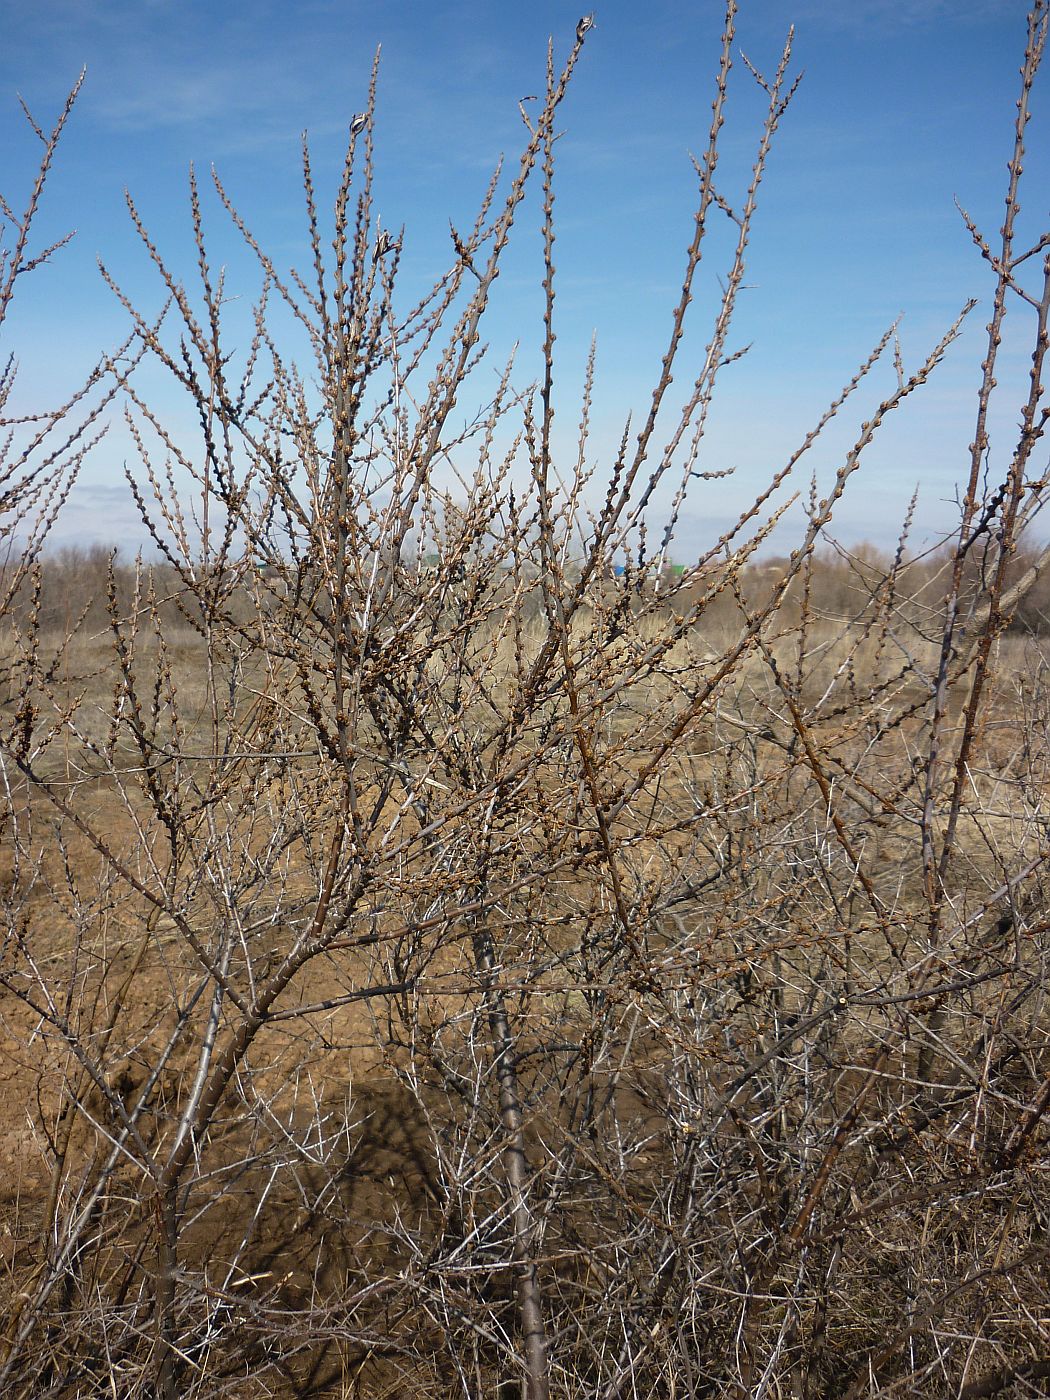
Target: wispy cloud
{"points": [[155, 66], [100, 514], [889, 16]]}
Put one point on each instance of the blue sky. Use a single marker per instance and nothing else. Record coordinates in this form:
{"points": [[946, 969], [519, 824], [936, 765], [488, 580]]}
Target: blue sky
{"points": [[901, 109]]}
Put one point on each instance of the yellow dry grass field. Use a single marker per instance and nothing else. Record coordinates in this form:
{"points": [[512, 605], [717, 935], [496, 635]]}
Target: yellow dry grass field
{"points": [[727, 953]]}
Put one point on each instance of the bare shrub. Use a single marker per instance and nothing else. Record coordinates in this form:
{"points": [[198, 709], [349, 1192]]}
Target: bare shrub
{"points": [[41, 452], [444, 968]]}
